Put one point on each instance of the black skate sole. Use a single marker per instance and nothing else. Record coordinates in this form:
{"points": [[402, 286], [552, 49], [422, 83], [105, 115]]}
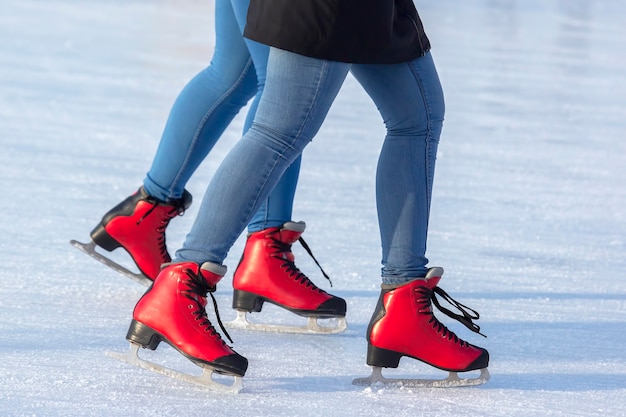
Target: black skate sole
{"points": [[103, 239], [250, 302], [384, 358], [148, 338]]}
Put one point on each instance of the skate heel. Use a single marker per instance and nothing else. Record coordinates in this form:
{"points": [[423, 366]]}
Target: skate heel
{"points": [[382, 357], [101, 238], [247, 301], [143, 335]]}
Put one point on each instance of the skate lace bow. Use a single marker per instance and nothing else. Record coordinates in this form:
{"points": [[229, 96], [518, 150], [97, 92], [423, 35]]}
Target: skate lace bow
{"points": [[198, 291], [467, 316]]}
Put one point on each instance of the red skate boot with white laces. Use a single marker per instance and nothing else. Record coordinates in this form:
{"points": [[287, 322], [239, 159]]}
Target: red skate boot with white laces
{"points": [[137, 225], [267, 273], [403, 324], [173, 311]]}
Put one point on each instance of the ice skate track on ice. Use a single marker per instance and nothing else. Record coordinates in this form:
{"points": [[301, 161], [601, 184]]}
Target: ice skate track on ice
{"points": [[205, 379], [453, 380], [312, 326], [90, 249]]}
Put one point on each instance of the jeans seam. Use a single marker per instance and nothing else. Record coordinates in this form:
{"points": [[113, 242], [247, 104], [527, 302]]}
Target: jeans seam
{"points": [[322, 75], [395, 279], [296, 137], [254, 201], [429, 129]]}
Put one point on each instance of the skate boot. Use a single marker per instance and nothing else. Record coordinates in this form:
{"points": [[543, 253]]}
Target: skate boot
{"points": [[173, 311], [267, 273], [137, 225], [403, 324]]}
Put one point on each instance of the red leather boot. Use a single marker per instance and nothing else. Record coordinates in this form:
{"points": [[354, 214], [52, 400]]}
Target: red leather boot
{"points": [[403, 324], [173, 311], [138, 225], [267, 272]]}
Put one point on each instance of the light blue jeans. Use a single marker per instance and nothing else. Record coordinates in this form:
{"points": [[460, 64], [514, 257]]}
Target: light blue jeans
{"points": [[207, 105], [298, 94]]}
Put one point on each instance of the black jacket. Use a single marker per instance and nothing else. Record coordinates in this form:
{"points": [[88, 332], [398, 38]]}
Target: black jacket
{"points": [[357, 31]]}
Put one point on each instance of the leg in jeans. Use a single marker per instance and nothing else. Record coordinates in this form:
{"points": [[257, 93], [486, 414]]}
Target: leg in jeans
{"points": [[207, 105], [298, 93], [204, 108], [201, 113], [278, 206], [410, 99], [199, 116]]}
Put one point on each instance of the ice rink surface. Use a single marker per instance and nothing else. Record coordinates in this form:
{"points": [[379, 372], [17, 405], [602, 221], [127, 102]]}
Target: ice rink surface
{"points": [[528, 214]]}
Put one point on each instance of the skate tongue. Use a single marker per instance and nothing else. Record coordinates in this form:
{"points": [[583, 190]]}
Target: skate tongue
{"points": [[291, 231], [294, 226], [434, 272], [212, 273]]}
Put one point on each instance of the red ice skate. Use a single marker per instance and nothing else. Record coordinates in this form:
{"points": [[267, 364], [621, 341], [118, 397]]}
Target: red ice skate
{"points": [[267, 273], [137, 225], [173, 311], [403, 324]]}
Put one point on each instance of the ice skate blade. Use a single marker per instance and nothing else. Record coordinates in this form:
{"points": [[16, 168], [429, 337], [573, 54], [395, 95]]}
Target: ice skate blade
{"points": [[90, 249], [205, 379], [453, 380], [312, 326]]}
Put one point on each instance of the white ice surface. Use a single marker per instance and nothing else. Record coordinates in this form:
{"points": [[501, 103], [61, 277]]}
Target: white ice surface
{"points": [[528, 216]]}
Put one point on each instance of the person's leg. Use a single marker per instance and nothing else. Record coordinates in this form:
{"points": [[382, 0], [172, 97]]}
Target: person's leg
{"points": [[204, 108], [198, 117], [267, 269], [410, 99], [277, 208], [298, 93]]}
